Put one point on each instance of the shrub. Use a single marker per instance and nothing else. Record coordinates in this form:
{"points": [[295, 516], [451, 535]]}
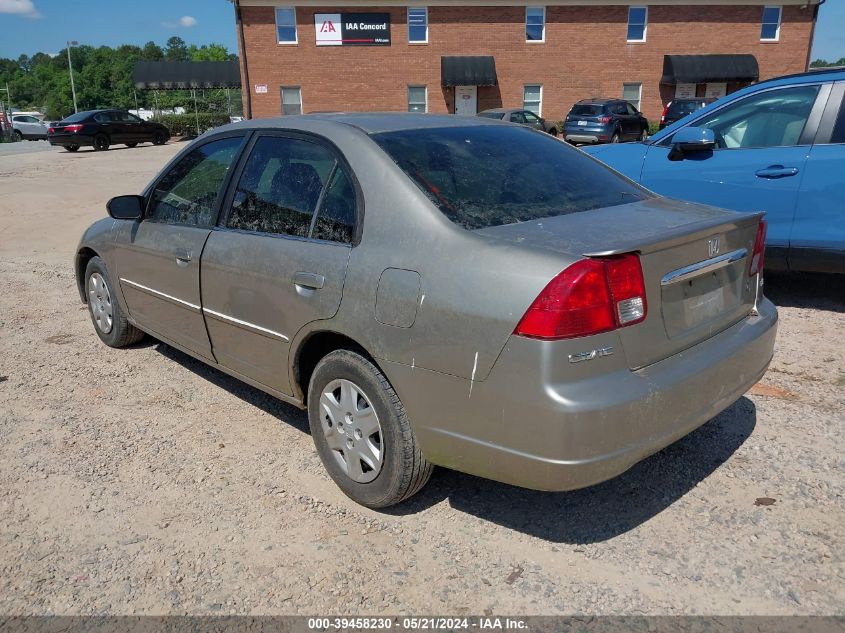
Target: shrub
{"points": [[186, 124]]}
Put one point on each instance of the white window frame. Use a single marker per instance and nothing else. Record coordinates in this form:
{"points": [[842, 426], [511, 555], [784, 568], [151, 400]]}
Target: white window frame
{"points": [[639, 102], [645, 24], [425, 90], [425, 41], [776, 38], [542, 40], [539, 112], [295, 28], [282, 97]]}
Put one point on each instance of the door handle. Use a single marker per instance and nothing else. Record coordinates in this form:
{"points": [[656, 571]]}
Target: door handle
{"points": [[776, 171], [183, 257], [309, 280]]}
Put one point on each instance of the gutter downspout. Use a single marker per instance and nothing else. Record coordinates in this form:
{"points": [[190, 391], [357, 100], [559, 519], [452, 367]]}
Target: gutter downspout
{"points": [[247, 88]]}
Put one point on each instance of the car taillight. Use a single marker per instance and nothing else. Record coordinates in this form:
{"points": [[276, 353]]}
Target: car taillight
{"points": [[605, 119], [759, 252], [663, 116], [591, 296], [51, 130], [73, 128]]}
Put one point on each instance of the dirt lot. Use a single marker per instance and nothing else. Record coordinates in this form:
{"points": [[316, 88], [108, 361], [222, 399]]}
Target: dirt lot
{"points": [[140, 481]]}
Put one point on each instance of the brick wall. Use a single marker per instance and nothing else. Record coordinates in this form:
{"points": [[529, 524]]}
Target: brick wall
{"points": [[585, 54]]}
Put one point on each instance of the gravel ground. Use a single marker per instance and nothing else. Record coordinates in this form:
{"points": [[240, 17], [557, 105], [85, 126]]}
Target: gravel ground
{"points": [[141, 481]]}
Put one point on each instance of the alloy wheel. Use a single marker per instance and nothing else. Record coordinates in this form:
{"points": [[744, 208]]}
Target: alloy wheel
{"points": [[352, 430], [99, 301]]}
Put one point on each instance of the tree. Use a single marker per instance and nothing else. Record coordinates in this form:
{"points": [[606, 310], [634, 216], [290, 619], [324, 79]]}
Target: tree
{"points": [[176, 50], [210, 53], [152, 52]]}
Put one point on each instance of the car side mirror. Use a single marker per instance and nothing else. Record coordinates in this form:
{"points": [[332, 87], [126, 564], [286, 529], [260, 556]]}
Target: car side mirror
{"points": [[126, 207], [691, 140]]}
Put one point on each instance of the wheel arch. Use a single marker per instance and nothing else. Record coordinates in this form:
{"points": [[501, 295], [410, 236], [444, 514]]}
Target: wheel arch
{"points": [[83, 256]]}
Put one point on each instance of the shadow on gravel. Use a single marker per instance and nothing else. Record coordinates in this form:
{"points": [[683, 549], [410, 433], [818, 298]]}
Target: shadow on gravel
{"points": [[603, 511], [806, 290], [282, 411]]}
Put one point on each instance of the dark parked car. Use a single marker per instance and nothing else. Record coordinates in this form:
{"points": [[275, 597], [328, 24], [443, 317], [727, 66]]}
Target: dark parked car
{"points": [[438, 290], [102, 128], [604, 121], [679, 108], [523, 117]]}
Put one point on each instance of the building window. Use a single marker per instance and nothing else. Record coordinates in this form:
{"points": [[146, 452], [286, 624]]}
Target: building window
{"points": [[417, 25], [637, 23], [417, 99], [532, 98], [286, 25], [291, 100], [535, 24], [770, 29], [633, 94]]}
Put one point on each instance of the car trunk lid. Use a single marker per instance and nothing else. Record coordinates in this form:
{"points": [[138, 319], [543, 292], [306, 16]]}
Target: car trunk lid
{"points": [[694, 260]]}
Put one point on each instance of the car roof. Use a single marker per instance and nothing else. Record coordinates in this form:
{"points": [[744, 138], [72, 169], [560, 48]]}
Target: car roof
{"points": [[597, 101], [367, 122]]}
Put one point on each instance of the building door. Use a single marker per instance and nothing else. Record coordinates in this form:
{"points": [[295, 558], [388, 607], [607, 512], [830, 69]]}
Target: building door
{"points": [[466, 100]]}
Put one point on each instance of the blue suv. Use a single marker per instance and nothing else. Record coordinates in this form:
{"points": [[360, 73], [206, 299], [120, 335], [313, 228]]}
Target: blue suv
{"points": [[777, 146]]}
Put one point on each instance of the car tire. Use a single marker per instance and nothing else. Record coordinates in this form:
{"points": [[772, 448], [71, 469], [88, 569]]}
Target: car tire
{"points": [[615, 138], [553, 131], [132, 145], [17, 136], [107, 315], [378, 463], [643, 135], [101, 143], [159, 138], [71, 148]]}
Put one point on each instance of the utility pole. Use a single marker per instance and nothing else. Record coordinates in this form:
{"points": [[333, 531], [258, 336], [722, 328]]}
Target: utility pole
{"points": [[70, 67]]}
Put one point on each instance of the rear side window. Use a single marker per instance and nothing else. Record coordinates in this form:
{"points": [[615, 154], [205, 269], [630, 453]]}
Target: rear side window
{"points": [[489, 175], [839, 129], [586, 110], [283, 182], [187, 194]]}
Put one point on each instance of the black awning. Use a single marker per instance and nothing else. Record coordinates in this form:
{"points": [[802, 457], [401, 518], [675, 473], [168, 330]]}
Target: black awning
{"points": [[693, 69], [186, 75], [468, 71]]}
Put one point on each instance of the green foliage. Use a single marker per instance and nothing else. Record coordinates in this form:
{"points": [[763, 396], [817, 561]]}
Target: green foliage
{"points": [[823, 63], [186, 124], [103, 79]]}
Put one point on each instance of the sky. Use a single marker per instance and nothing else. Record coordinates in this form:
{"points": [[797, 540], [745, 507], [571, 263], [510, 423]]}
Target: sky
{"points": [[30, 26]]}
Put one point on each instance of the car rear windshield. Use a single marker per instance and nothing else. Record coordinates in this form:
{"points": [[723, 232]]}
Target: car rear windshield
{"points": [[75, 118], [482, 176], [586, 110], [491, 115], [683, 108]]}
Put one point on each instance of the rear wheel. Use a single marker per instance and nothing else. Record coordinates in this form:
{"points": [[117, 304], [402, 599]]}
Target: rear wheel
{"points": [[110, 323], [71, 148], [643, 134], [101, 142], [362, 433], [615, 138], [18, 136], [131, 144]]}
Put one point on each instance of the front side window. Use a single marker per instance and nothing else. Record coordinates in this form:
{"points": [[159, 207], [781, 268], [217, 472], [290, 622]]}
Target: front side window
{"points": [[283, 181], [775, 118], [535, 24], [417, 25], [286, 25], [632, 93], [417, 99], [188, 192], [291, 100], [532, 98], [770, 27], [637, 23], [489, 175]]}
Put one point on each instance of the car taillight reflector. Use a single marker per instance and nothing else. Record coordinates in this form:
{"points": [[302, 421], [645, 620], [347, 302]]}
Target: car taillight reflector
{"points": [[759, 252], [591, 296], [72, 128], [663, 116], [605, 119]]}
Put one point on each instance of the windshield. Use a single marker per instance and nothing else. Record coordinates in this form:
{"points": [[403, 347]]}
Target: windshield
{"points": [[484, 176], [586, 110]]}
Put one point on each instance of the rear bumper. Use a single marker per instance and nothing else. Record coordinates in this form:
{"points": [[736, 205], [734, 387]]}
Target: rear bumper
{"points": [[70, 139], [519, 428]]}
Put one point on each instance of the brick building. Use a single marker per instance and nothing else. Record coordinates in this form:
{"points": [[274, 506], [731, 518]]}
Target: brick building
{"points": [[463, 56]]}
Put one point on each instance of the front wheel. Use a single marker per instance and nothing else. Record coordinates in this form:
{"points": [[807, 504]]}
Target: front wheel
{"points": [[553, 131], [643, 135], [160, 138], [101, 143], [110, 322], [362, 432]]}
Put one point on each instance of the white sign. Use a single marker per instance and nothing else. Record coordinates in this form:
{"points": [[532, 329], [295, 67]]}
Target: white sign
{"points": [[684, 91], [329, 29], [716, 91], [260, 89]]}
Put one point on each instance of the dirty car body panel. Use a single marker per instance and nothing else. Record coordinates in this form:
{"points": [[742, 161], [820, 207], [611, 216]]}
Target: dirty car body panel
{"points": [[401, 259]]}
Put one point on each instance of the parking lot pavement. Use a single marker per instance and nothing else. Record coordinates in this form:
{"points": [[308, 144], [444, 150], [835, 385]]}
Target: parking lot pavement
{"points": [[25, 147], [141, 481]]}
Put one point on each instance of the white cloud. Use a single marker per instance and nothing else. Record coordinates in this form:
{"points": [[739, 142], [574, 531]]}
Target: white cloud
{"points": [[23, 8], [186, 21]]}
